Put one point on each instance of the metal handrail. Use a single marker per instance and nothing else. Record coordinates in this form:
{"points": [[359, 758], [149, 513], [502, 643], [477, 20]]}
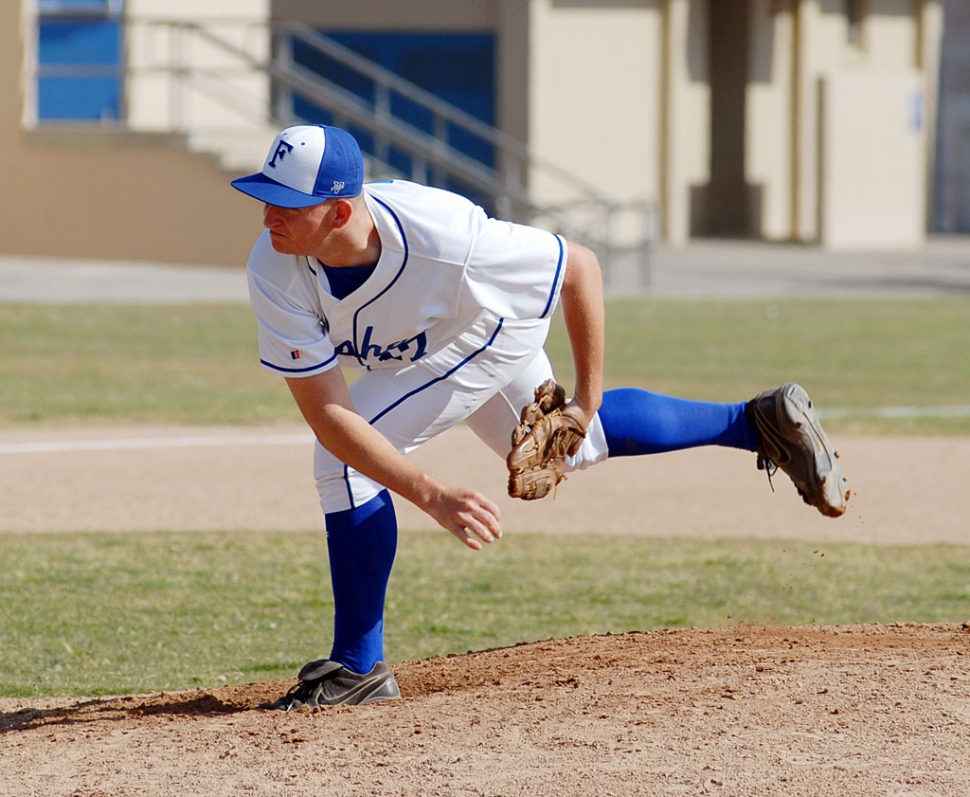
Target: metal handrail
{"points": [[508, 145], [425, 148], [587, 216], [378, 119]]}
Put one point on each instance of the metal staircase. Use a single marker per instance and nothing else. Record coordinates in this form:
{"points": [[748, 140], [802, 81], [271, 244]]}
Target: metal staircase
{"points": [[251, 74]]}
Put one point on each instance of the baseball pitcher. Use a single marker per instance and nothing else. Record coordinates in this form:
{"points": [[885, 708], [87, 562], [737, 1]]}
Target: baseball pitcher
{"points": [[445, 312]]}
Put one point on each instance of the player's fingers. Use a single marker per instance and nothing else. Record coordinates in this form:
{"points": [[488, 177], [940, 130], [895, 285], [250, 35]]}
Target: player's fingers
{"points": [[492, 508], [481, 516], [493, 526], [483, 531], [463, 535], [488, 519], [472, 517]]}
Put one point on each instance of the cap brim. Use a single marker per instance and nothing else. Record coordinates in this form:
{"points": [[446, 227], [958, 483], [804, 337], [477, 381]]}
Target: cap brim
{"points": [[261, 187]]}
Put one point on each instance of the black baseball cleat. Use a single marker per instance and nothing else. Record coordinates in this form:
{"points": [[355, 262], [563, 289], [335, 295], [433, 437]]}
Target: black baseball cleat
{"points": [[790, 437], [327, 683]]}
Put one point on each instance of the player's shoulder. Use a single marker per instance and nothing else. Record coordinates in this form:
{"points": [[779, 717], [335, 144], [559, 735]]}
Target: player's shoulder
{"points": [[405, 191], [413, 203], [432, 222]]}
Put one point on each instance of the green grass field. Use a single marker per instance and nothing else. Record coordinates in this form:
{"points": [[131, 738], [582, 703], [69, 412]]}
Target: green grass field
{"points": [[102, 613], [94, 614], [198, 364]]}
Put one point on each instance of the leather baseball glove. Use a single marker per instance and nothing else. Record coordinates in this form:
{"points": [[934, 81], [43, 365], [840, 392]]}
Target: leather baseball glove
{"points": [[540, 444]]}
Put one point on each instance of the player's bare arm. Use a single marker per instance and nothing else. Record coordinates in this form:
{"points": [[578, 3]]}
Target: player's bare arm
{"points": [[325, 402], [584, 316]]}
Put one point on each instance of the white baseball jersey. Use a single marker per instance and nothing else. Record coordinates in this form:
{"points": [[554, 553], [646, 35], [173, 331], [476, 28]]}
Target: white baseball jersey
{"points": [[449, 327], [445, 268]]}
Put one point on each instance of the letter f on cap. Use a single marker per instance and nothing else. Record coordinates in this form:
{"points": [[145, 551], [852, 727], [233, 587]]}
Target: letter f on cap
{"points": [[280, 153]]}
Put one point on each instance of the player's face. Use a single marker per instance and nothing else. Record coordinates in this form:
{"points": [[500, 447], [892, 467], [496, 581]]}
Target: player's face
{"points": [[298, 231]]}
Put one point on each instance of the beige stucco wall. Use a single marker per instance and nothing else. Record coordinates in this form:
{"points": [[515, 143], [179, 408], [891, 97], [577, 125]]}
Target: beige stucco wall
{"points": [[594, 80], [237, 99], [890, 34], [83, 193], [871, 175]]}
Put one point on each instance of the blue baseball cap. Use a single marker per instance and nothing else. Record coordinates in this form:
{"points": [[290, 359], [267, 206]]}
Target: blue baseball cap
{"points": [[307, 165]]}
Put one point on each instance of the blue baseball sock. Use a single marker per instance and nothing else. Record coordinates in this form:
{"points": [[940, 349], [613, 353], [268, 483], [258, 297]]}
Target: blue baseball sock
{"points": [[361, 543], [640, 422]]}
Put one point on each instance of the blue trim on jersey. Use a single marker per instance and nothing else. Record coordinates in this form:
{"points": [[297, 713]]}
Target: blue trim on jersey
{"points": [[389, 285], [425, 386], [350, 492], [555, 282], [297, 370]]}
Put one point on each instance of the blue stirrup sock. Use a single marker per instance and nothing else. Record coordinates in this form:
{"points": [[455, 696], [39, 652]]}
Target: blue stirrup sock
{"points": [[640, 422], [361, 543]]}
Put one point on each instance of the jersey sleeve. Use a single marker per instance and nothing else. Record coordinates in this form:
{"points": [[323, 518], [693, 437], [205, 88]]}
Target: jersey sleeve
{"points": [[293, 337], [515, 271]]}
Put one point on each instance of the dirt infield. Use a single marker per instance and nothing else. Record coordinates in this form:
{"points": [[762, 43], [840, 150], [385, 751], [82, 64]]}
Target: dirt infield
{"points": [[743, 711]]}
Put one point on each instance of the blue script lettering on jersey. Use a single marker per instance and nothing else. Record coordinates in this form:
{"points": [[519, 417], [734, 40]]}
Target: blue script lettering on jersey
{"points": [[411, 348]]}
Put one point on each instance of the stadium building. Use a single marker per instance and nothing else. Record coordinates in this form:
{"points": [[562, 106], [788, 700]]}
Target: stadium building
{"points": [[622, 123]]}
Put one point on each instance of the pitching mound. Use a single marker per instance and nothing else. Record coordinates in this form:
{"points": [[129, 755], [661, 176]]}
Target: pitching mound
{"points": [[861, 710]]}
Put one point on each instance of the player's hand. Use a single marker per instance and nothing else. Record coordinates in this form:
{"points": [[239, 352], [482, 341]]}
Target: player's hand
{"points": [[469, 515]]}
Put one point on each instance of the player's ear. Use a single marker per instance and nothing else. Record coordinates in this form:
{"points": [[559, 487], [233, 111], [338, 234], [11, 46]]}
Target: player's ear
{"points": [[341, 212]]}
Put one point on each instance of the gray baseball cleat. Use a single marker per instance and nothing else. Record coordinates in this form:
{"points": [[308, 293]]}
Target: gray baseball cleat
{"points": [[790, 437], [327, 683]]}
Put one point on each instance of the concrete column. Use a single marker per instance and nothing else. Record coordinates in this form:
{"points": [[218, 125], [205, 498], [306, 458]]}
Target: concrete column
{"points": [[929, 36], [804, 122], [685, 116]]}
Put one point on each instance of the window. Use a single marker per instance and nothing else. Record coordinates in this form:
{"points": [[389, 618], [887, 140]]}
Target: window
{"points": [[79, 60]]}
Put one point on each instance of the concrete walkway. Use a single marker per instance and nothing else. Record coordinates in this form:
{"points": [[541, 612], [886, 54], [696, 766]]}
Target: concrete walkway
{"points": [[37, 279], [746, 269], [735, 269]]}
